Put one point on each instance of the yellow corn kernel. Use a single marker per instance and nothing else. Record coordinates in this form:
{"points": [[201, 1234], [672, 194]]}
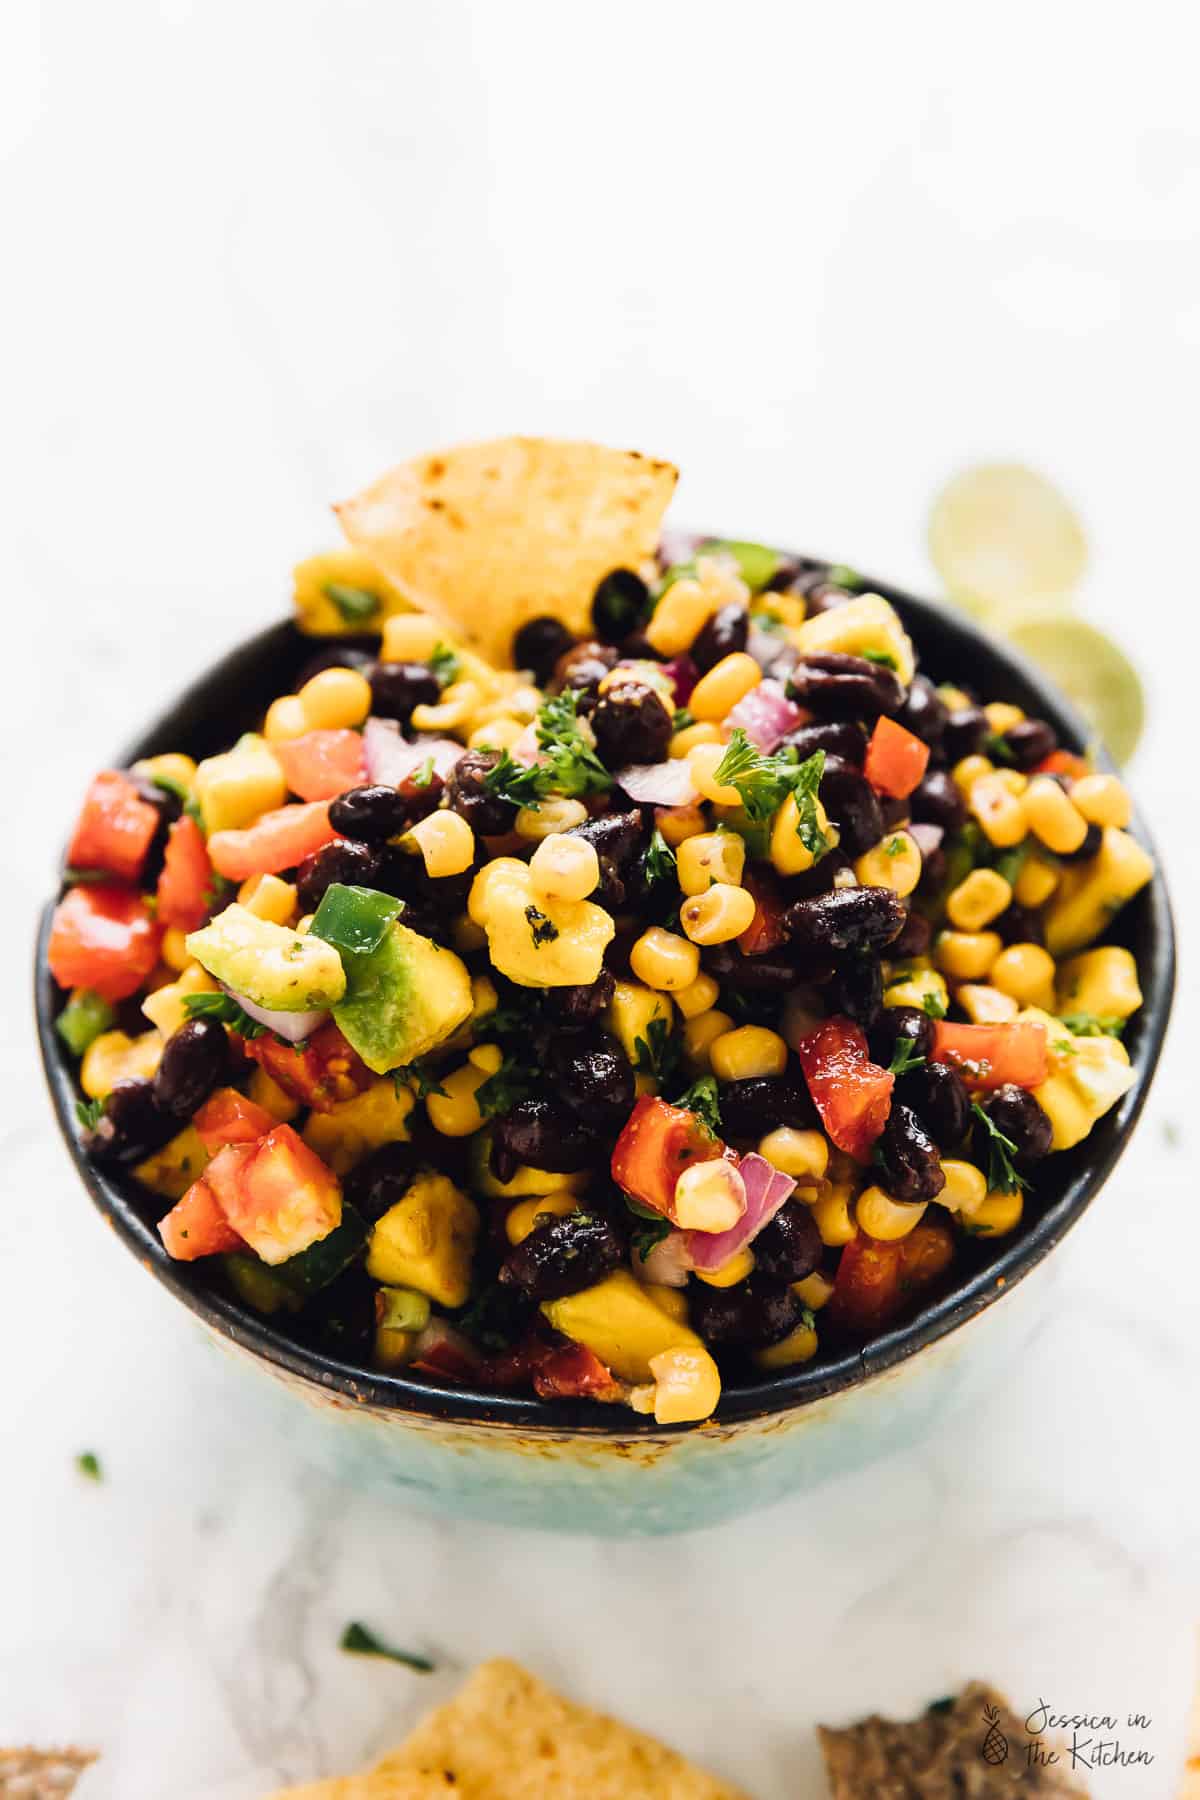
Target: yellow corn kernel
{"points": [[632, 1012], [488, 1057], [455, 1113], [171, 766], [965, 1190], [165, 1007], [497, 734], [1089, 893], [815, 1291], [534, 823], [1000, 813], [1102, 799], [174, 949], [704, 761], [709, 1196], [664, 960], [804, 1155], [686, 740], [967, 772], [457, 704], [789, 853], [564, 868], [680, 616], [710, 856], [922, 987], [1012, 780], [698, 996], [997, 1216], [410, 637], [699, 1035], [115, 1056], [954, 699], [832, 1216], [799, 1346], [748, 1052], [1101, 982], [867, 623], [672, 1301], [985, 1005], [446, 842], [521, 1219], [266, 1092], [1001, 717], [335, 699], [468, 937], [268, 897], [882, 1217], [785, 609], [687, 1382], [1035, 883], [895, 863], [718, 916], [727, 682], [1025, 971], [678, 823], [1052, 817], [978, 899], [286, 719], [304, 924], [966, 955], [740, 1264]]}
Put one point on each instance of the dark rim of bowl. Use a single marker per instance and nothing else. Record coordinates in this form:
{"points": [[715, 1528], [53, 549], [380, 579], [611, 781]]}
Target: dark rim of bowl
{"points": [[950, 644]]}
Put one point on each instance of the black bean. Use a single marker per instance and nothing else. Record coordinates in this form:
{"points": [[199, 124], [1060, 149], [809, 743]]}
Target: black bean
{"points": [[938, 1096], [964, 733], [937, 800], [752, 1107], [539, 644], [725, 633], [857, 918], [772, 971], [1016, 1113], [542, 1134], [1019, 925], [132, 1126], [1028, 743], [1093, 838], [790, 1247], [924, 712], [915, 937], [617, 835], [852, 804], [837, 737], [583, 1005], [753, 1313], [358, 651], [856, 991], [581, 669], [618, 605], [564, 1255], [168, 806], [934, 869], [421, 793], [632, 724], [823, 597], [194, 1062], [638, 648], [488, 814], [369, 814], [898, 1025], [381, 1179], [837, 686], [398, 687], [912, 1168], [340, 861], [593, 1076]]}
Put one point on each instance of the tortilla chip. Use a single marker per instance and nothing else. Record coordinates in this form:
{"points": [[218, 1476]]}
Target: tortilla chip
{"points": [[400, 1784], [507, 1737], [489, 535], [42, 1774]]}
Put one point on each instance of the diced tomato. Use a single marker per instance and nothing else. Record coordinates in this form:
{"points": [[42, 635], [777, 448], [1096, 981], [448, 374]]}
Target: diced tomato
{"points": [[657, 1144], [196, 1226], [323, 764], [103, 938], [875, 1281], [277, 1193], [990, 1056], [325, 1071], [183, 886], [766, 929], [573, 1372], [114, 829], [1064, 762], [444, 1352], [277, 841], [852, 1094], [227, 1117], [896, 760]]}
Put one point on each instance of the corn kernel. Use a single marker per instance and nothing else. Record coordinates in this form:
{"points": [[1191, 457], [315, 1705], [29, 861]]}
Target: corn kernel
{"points": [[1025, 971], [985, 1005], [1035, 883], [410, 637], [1012, 780], [727, 682], [740, 1264], [174, 950], [687, 1384], [536, 822], [815, 1291], [895, 863], [832, 1216], [521, 1219], [789, 853], [785, 609], [678, 823], [446, 843], [564, 868], [799, 1346], [671, 1300], [718, 916], [497, 734], [488, 1057], [115, 1056], [978, 899], [268, 897], [1052, 817], [709, 1196], [1001, 717], [664, 961], [286, 719], [704, 761], [882, 1217], [965, 1190], [165, 1007], [954, 699], [804, 1155], [458, 702], [1000, 812], [455, 1112], [1103, 800], [699, 1035], [680, 616], [967, 772], [709, 857], [922, 987], [967, 955], [997, 1216], [698, 996], [335, 699], [686, 740], [171, 766], [748, 1052]]}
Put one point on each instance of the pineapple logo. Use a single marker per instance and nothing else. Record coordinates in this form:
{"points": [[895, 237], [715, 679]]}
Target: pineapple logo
{"points": [[994, 1749]]}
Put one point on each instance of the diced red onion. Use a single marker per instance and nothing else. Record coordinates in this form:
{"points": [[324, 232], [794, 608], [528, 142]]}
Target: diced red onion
{"points": [[294, 1026], [927, 838], [659, 784], [764, 646], [766, 1191], [684, 674], [765, 714], [391, 759], [669, 1263]]}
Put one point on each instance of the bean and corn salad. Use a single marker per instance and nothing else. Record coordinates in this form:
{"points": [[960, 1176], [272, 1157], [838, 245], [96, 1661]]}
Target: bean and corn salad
{"points": [[681, 999]]}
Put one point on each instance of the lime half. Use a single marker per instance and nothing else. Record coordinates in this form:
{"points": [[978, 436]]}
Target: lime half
{"points": [[1093, 672], [1006, 542]]}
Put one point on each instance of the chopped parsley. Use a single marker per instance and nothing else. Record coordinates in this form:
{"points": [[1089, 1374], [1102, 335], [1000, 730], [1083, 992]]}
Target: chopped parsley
{"points": [[681, 718], [422, 777], [89, 1113], [523, 784], [1002, 1176], [1092, 1025], [658, 1052], [905, 1056], [933, 1005], [895, 846], [505, 1089], [420, 1077], [569, 764], [361, 1642], [660, 860], [651, 1228], [225, 1009], [445, 664], [884, 658], [541, 929], [764, 783], [702, 1099], [354, 604], [88, 1463]]}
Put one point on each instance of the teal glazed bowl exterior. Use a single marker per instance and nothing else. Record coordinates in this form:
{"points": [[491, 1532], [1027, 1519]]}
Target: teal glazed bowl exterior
{"points": [[575, 1466]]}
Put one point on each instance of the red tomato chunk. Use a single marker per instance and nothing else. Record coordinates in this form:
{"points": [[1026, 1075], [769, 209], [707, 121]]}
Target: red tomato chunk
{"points": [[103, 938], [277, 841], [323, 764], [875, 1281], [227, 1117], [896, 760], [991, 1056], [852, 1094], [657, 1144], [186, 880], [277, 1193], [196, 1226], [114, 829], [325, 1071]]}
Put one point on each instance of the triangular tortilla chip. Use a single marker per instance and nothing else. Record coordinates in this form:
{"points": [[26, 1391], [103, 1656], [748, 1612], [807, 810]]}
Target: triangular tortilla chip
{"points": [[397, 1784], [489, 535]]}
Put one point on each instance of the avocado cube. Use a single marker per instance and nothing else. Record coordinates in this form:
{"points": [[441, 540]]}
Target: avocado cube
{"points": [[621, 1324], [402, 999]]}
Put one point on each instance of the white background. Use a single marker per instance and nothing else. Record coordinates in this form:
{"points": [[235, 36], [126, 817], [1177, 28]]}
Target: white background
{"points": [[820, 256]]}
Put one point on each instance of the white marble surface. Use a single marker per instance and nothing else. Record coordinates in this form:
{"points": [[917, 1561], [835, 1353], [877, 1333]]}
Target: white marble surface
{"points": [[255, 252]]}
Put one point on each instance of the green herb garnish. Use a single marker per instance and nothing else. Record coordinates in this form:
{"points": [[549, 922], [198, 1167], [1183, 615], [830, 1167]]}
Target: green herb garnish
{"points": [[660, 859], [933, 1006], [225, 1009], [702, 1098], [884, 658], [354, 604], [361, 1642], [658, 1052], [652, 1228], [995, 747], [542, 930], [764, 783], [88, 1463], [1093, 1025], [422, 777], [895, 846], [445, 664], [418, 1076], [681, 718], [905, 1056], [573, 765], [505, 1089], [523, 784], [1002, 1176], [89, 1113]]}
